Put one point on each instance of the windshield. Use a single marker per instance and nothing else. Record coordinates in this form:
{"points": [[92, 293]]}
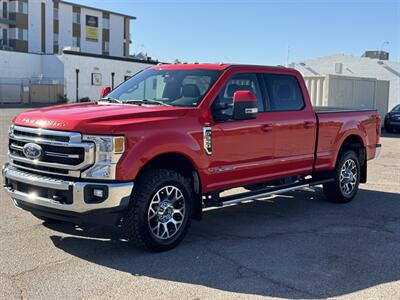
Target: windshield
{"points": [[396, 109], [165, 87]]}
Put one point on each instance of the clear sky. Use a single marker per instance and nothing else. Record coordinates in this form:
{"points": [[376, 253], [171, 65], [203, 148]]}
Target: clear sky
{"points": [[258, 31]]}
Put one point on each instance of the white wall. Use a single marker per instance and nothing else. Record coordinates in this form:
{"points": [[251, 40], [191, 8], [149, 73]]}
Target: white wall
{"points": [[53, 66], [116, 35], [349, 92], [14, 65], [65, 25], [49, 26], [19, 65], [87, 45], [34, 27], [89, 65]]}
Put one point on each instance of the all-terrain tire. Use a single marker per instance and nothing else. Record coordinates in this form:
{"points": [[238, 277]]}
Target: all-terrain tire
{"points": [[137, 224], [347, 178]]}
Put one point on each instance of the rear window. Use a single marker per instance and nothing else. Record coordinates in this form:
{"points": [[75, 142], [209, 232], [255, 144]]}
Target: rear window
{"points": [[284, 92]]}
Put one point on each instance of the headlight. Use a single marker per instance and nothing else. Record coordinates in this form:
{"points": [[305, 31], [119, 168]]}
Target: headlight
{"points": [[109, 150], [11, 129]]}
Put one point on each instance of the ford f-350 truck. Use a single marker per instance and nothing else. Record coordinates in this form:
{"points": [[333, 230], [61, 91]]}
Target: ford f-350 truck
{"points": [[149, 155]]}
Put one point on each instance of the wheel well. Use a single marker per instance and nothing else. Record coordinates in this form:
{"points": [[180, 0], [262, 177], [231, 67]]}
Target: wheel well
{"points": [[355, 143], [184, 166]]}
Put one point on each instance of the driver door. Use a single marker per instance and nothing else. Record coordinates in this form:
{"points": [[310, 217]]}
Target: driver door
{"points": [[241, 150]]}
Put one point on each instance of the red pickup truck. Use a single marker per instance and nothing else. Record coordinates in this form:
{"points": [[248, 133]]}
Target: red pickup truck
{"points": [[149, 155]]}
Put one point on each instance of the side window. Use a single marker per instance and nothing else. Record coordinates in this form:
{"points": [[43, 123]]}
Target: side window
{"points": [[238, 82], [284, 92]]}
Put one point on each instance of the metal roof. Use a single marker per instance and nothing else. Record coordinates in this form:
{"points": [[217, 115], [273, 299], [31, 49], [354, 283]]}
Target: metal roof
{"points": [[356, 67]]}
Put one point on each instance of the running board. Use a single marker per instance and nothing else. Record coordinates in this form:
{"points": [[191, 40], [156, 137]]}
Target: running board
{"points": [[253, 195]]}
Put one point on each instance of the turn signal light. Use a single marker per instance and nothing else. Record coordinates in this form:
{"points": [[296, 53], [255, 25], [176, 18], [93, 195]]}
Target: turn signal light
{"points": [[119, 144]]}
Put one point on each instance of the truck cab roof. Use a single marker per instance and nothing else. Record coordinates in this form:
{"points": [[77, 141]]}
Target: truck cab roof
{"points": [[217, 67]]}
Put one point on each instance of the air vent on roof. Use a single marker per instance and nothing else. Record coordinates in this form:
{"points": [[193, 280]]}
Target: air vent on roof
{"points": [[338, 68], [382, 55]]}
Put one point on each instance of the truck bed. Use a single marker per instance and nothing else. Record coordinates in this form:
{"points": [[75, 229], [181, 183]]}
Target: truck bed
{"points": [[333, 127]]}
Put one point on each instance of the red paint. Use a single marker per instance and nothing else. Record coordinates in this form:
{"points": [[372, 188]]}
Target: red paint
{"points": [[244, 96], [105, 91], [274, 145]]}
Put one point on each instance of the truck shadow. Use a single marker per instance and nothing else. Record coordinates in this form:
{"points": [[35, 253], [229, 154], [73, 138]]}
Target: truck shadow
{"points": [[291, 246]]}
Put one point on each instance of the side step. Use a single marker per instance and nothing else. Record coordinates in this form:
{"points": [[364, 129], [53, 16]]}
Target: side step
{"points": [[253, 195]]}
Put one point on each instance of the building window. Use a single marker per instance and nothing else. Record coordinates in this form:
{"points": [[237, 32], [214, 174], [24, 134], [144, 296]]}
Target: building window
{"points": [[76, 18], [106, 23], [22, 34], [5, 10], [55, 13], [22, 7], [4, 37], [55, 39], [106, 47], [76, 41]]}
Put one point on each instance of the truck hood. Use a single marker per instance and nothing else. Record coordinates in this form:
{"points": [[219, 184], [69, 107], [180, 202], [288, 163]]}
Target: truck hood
{"points": [[91, 118]]}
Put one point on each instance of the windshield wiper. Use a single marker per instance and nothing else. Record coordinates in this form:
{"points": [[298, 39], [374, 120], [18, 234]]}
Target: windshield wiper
{"points": [[147, 101], [111, 99]]}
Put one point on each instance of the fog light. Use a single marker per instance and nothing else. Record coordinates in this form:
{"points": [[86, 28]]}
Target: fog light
{"points": [[98, 193], [95, 193]]}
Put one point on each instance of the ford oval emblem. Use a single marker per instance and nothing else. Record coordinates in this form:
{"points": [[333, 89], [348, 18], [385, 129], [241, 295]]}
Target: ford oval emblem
{"points": [[32, 151]]}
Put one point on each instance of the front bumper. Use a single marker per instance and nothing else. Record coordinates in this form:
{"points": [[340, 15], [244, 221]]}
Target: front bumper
{"points": [[64, 199]]}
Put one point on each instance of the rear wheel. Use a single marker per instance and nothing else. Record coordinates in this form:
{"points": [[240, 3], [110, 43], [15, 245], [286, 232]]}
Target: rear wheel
{"points": [[347, 178], [159, 217]]}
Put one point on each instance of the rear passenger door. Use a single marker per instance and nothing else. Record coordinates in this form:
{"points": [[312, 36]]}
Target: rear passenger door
{"points": [[293, 125]]}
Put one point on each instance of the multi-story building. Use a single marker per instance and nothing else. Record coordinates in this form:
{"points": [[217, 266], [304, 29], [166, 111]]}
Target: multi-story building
{"points": [[49, 26]]}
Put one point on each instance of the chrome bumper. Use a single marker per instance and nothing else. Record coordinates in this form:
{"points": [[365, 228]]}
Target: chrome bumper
{"points": [[117, 192]]}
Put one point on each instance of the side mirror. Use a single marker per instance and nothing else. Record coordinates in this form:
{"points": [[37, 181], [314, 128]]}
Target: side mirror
{"points": [[105, 91], [244, 105]]}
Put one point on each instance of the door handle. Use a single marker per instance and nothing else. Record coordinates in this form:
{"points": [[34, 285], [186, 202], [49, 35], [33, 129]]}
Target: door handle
{"points": [[267, 127], [308, 124]]}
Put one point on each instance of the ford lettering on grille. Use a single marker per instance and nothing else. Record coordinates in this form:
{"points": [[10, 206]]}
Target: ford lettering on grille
{"points": [[32, 151]]}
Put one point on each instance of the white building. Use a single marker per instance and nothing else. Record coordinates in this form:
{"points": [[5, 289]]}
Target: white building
{"points": [[48, 26], [49, 77], [349, 65], [52, 49]]}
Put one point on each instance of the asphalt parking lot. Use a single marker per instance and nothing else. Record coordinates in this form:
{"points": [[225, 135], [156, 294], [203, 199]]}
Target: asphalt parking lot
{"points": [[292, 246]]}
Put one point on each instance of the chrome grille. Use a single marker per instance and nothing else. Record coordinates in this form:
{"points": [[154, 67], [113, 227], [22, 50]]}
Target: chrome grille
{"points": [[63, 153]]}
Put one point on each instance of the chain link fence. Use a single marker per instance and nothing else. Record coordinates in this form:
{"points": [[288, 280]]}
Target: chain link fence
{"points": [[33, 90]]}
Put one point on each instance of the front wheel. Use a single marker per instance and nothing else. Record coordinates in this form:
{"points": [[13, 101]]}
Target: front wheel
{"points": [[347, 178], [159, 216]]}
